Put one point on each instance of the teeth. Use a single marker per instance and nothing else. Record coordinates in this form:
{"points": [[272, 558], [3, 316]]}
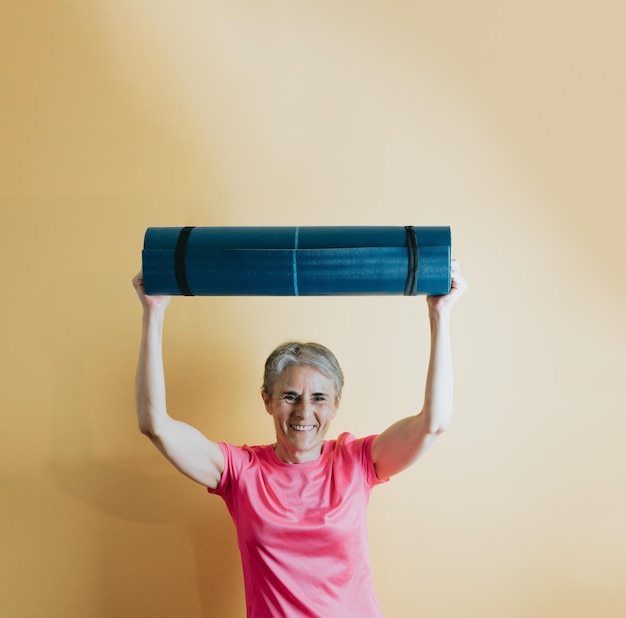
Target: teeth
{"points": [[302, 427]]}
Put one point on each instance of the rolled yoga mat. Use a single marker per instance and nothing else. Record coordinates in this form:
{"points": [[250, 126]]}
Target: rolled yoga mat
{"points": [[297, 261]]}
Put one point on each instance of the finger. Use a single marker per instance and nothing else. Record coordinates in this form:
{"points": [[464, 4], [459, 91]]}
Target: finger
{"points": [[458, 281]]}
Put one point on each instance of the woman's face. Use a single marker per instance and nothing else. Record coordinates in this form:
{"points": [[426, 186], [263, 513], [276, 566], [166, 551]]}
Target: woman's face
{"points": [[303, 403]]}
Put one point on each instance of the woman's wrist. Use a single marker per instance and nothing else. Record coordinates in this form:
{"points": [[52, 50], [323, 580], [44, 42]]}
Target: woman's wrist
{"points": [[439, 315], [153, 315]]}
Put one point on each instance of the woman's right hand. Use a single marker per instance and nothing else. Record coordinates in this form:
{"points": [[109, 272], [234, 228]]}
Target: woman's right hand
{"points": [[149, 302]]}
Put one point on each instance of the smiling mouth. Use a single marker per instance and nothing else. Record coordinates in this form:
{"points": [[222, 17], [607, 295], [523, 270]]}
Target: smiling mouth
{"points": [[302, 427]]}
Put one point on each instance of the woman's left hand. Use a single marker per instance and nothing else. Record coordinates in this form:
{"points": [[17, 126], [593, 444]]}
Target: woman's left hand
{"points": [[443, 303]]}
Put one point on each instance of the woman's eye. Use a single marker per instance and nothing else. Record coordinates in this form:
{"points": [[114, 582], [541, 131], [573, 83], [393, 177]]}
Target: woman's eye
{"points": [[289, 398]]}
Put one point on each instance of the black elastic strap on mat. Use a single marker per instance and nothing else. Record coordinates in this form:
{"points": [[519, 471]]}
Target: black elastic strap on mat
{"points": [[410, 289], [179, 261]]}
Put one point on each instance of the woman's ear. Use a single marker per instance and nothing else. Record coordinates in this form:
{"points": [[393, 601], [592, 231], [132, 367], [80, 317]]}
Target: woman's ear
{"points": [[266, 400]]}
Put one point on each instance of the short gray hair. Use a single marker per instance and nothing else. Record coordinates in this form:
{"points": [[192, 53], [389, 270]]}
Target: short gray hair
{"points": [[302, 354]]}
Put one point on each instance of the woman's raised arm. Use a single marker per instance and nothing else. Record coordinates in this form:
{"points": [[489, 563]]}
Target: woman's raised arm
{"points": [[402, 444], [187, 448]]}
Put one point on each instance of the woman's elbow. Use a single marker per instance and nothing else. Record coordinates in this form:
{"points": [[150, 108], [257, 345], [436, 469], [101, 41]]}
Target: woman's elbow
{"points": [[431, 426], [145, 430], [150, 423], [438, 426], [437, 431]]}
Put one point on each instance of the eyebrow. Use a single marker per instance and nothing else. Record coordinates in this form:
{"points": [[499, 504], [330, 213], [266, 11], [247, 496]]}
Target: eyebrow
{"points": [[295, 394]]}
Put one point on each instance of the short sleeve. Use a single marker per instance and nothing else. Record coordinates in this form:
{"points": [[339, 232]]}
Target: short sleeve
{"points": [[235, 460], [361, 450]]}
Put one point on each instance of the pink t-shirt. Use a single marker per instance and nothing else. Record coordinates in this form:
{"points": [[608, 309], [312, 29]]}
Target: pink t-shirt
{"points": [[302, 529]]}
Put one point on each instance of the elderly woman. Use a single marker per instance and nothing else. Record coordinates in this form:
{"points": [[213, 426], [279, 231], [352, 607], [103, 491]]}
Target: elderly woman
{"points": [[299, 505]]}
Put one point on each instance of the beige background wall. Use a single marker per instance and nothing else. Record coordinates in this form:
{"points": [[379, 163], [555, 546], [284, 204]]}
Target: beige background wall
{"points": [[503, 120]]}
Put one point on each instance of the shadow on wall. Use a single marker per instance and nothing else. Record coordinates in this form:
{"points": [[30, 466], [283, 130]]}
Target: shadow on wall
{"points": [[76, 128], [160, 543]]}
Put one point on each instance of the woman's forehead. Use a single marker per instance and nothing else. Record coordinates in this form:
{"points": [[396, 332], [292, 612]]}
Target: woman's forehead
{"points": [[298, 378]]}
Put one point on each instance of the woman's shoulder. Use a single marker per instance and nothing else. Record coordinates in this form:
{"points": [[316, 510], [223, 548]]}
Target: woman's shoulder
{"points": [[349, 443], [246, 455], [347, 438]]}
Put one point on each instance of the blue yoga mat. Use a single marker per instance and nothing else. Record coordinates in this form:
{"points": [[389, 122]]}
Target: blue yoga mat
{"points": [[296, 261]]}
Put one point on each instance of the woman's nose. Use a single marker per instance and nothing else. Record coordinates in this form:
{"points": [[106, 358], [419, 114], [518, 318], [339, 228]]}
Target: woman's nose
{"points": [[304, 407]]}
